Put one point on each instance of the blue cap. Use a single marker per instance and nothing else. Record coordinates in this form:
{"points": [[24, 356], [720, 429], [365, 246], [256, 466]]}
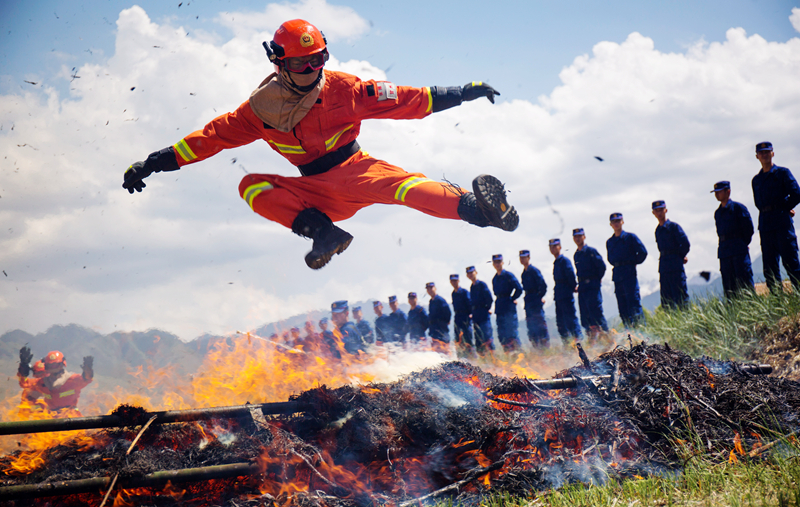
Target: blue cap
{"points": [[659, 204], [429, 285], [454, 276], [497, 257], [295, 329], [615, 216], [356, 308], [376, 304], [412, 295], [323, 320], [524, 253], [578, 232], [471, 269], [722, 185], [765, 146], [555, 242], [339, 306], [393, 299]]}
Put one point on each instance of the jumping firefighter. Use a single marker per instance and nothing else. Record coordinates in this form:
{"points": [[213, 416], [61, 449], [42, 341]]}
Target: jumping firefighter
{"points": [[60, 388], [312, 117]]}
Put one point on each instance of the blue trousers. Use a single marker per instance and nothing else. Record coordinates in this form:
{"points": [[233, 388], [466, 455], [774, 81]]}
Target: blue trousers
{"points": [[590, 302], [781, 245], [629, 302], [737, 272], [537, 325], [462, 327], [484, 338], [566, 319], [674, 292], [508, 331]]}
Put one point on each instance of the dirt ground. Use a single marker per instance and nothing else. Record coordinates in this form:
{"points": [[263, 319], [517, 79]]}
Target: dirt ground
{"points": [[780, 347]]}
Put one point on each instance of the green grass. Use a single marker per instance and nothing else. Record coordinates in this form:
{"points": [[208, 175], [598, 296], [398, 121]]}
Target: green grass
{"points": [[719, 328]]}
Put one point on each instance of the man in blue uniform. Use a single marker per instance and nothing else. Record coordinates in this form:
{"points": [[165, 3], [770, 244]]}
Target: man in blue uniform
{"points": [[735, 231], [776, 193], [564, 290], [625, 251], [673, 247], [351, 338], [481, 300], [590, 269], [462, 322], [535, 289], [383, 326], [507, 290], [363, 326], [398, 321], [417, 320], [328, 340], [438, 315]]}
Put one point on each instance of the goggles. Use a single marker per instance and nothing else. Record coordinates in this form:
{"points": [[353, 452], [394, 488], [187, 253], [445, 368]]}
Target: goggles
{"points": [[305, 64]]}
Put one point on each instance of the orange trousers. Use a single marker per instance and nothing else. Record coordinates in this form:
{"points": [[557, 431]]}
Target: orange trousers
{"points": [[356, 183]]}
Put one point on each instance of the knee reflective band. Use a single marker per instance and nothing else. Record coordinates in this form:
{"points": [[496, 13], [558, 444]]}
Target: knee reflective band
{"points": [[407, 185], [444, 97], [252, 191]]}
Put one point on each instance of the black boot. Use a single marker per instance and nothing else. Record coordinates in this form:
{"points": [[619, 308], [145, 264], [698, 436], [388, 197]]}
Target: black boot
{"points": [[328, 239], [469, 212], [490, 195]]}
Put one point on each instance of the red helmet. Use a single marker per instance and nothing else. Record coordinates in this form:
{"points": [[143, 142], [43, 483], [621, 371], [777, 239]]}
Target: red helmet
{"points": [[53, 360], [296, 38], [38, 369]]}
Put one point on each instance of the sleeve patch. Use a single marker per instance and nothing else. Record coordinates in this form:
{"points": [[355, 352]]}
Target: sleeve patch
{"points": [[386, 91], [370, 90]]}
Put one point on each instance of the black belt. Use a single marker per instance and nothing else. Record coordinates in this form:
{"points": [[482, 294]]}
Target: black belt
{"points": [[723, 237], [585, 279], [768, 208], [326, 162], [619, 264]]}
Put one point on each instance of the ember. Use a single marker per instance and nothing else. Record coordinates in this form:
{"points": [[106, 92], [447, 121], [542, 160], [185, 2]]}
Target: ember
{"points": [[453, 431]]}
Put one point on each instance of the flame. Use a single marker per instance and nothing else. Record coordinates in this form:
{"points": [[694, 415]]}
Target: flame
{"points": [[737, 443]]}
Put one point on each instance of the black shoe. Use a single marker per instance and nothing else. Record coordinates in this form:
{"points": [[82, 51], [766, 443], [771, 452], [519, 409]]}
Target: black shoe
{"points": [[329, 242], [491, 197]]}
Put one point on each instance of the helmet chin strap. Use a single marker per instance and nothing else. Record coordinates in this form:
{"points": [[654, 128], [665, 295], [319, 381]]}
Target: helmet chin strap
{"points": [[307, 88]]}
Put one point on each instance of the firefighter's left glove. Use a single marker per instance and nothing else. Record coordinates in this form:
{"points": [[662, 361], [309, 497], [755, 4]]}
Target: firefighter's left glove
{"points": [[88, 367], [477, 89], [162, 160], [25, 356]]}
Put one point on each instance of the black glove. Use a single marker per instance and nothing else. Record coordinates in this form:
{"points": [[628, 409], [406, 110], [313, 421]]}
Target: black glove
{"points": [[25, 357], [162, 160], [87, 367], [476, 90]]}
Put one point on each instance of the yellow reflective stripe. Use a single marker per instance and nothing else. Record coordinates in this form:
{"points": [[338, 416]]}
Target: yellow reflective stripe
{"points": [[252, 191], [407, 185], [47, 396], [430, 100], [67, 393], [288, 148], [184, 151], [330, 143], [477, 83]]}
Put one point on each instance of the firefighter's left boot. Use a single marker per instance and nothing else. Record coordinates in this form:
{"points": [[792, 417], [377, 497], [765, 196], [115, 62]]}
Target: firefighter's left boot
{"points": [[328, 239], [490, 195]]}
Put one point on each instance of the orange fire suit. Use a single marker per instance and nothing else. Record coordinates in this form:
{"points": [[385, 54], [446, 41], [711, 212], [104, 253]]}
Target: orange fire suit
{"points": [[64, 394], [332, 123]]}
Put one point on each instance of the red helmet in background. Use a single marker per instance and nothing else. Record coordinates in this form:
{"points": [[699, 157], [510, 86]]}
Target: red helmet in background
{"points": [[39, 369], [54, 360], [296, 39]]}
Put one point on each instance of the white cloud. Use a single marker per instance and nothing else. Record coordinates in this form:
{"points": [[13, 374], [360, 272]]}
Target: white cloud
{"points": [[795, 18], [187, 255]]}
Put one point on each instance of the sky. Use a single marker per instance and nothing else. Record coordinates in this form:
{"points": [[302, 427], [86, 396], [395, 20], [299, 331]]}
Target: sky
{"points": [[672, 95]]}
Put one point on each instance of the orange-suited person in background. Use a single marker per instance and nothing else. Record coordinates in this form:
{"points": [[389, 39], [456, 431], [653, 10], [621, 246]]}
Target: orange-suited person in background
{"points": [[31, 401], [61, 389], [312, 117]]}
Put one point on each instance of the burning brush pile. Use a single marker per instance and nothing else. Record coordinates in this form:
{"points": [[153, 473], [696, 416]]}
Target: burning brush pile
{"points": [[448, 432]]}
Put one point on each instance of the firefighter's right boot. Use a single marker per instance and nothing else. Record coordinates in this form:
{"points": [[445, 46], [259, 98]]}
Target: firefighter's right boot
{"points": [[328, 239]]}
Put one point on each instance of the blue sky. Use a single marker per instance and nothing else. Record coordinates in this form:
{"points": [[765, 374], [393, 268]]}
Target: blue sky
{"points": [[673, 95], [518, 46]]}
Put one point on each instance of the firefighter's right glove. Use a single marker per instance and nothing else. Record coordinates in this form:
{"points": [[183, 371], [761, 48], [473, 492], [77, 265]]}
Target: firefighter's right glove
{"points": [[162, 160], [25, 357], [88, 367], [475, 90]]}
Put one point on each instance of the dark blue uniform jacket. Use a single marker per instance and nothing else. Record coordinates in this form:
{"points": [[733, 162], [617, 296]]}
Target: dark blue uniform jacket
{"points": [[624, 253], [673, 246], [775, 193], [439, 314], [481, 299], [398, 325], [564, 277], [534, 285], [417, 322], [507, 289], [734, 228], [461, 302], [589, 264]]}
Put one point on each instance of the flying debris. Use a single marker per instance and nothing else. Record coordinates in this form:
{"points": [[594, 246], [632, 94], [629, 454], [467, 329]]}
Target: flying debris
{"points": [[598, 158], [32, 82], [706, 275], [133, 88], [4, 272], [556, 213]]}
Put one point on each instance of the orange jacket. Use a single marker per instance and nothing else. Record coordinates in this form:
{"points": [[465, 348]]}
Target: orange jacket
{"points": [[64, 395], [332, 122]]}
